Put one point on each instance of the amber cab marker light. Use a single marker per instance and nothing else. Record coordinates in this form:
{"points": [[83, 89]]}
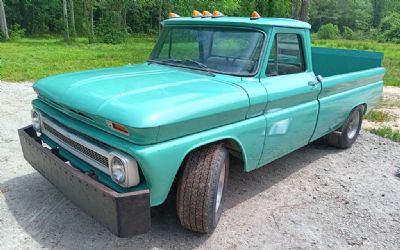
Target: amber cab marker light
{"points": [[173, 15], [255, 15], [196, 13], [119, 128], [206, 14], [216, 13]]}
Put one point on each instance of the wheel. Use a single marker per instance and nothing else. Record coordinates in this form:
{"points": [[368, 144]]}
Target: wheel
{"points": [[201, 188], [348, 133]]}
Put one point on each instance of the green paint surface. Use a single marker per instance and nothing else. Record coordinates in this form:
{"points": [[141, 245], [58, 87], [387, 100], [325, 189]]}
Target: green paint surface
{"points": [[171, 111]]}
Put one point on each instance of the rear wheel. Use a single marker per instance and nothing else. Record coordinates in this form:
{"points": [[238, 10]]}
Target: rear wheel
{"points": [[348, 133], [201, 188]]}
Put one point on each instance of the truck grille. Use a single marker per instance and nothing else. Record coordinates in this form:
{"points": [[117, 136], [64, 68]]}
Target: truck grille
{"points": [[77, 145]]}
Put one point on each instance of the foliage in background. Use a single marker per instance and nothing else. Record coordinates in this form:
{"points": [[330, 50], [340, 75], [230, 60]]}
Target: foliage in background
{"points": [[347, 33], [328, 31], [367, 19], [390, 28], [17, 32], [110, 30]]}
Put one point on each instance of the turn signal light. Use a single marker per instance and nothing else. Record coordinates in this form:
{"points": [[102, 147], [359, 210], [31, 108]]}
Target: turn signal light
{"points": [[196, 13], [206, 14], [118, 127], [255, 15], [216, 13], [173, 15]]}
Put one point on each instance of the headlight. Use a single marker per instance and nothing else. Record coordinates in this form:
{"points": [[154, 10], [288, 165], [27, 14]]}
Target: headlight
{"points": [[123, 169], [36, 120], [118, 170]]}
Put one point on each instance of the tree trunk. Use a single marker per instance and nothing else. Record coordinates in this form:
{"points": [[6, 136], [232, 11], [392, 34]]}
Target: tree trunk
{"points": [[304, 10], [88, 19], [65, 17], [91, 26], [124, 13], [72, 17], [160, 16], [3, 21], [296, 6]]}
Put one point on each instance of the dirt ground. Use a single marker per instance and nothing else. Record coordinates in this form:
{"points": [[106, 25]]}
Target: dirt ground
{"points": [[390, 105], [317, 197]]}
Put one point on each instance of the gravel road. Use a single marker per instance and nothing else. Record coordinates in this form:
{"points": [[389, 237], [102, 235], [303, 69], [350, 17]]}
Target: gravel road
{"points": [[317, 197]]}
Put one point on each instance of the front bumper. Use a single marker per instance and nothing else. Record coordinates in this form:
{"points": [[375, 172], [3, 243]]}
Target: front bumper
{"points": [[124, 214]]}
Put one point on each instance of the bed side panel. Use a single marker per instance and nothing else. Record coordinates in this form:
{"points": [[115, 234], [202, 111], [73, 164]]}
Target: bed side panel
{"points": [[340, 94], [329, 62]]}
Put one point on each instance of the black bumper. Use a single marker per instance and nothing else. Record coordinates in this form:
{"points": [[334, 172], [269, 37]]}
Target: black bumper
{"points": [[124, 214]]}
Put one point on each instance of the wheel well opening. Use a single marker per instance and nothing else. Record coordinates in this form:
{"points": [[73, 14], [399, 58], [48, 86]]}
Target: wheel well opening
{"points": [[364, 106], [231, 145], [234, 148]]}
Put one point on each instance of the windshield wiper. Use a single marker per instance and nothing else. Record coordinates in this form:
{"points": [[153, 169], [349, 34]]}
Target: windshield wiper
{"points": [[150, 61], [202, 65], [183, 62]]}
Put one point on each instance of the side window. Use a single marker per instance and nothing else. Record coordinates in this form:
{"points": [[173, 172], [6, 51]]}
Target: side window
{"points": [[286, 55]]}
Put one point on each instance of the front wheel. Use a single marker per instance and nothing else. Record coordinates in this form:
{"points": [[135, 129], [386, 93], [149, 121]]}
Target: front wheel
{"points": [[348, 133], [201, 188]]}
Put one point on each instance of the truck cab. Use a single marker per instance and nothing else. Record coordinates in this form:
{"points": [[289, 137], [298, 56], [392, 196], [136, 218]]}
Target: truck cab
{"points": [[115, 140]]}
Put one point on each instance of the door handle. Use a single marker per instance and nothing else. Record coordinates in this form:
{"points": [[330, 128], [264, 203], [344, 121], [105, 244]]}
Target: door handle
{"points": [[313, 83]]}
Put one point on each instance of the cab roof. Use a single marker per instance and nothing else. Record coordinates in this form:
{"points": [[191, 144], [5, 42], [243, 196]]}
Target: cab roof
{"points": [[238, 21]]}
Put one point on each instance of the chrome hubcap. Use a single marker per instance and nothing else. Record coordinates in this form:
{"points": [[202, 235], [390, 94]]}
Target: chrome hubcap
{"points": [[353, 125], [221, 183]]}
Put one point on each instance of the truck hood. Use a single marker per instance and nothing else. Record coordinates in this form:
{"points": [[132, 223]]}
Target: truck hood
{"points": [[175, 101]]}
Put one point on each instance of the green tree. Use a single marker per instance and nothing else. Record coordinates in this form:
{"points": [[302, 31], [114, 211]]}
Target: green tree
{"points": [[328, 31], [390, 28]]}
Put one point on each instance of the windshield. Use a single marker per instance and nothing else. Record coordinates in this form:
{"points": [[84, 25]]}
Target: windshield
{"points": [[222, 50]]}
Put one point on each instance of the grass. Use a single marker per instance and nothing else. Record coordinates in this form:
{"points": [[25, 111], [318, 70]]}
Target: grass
{"points": [[35, 58], [377, 116], [391, 60], [387, 133]]}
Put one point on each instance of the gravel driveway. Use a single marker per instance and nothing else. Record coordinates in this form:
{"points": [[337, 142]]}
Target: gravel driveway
{"points": [[315, 198]]}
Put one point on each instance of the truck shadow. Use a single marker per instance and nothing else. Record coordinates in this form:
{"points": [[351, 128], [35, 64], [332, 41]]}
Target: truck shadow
{"points": [[54, 222]]}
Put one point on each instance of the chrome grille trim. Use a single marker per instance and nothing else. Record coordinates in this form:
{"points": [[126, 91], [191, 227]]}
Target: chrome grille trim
{"points": [[89, 151]]}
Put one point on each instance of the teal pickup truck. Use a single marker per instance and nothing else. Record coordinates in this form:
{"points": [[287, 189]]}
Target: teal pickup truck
{"points": [[115, 140]]}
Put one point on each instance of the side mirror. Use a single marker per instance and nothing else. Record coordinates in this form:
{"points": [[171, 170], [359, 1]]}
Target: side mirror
{"points": [[320, 78]]}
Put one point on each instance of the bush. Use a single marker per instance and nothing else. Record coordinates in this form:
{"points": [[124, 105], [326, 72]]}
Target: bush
{"points": [[328, 31], [110, 29], [2, 37], [16, 32], [390, 28], [347, 33]]}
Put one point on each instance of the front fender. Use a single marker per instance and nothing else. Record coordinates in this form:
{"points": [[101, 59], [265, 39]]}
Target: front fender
{"points": [[161, 162]]}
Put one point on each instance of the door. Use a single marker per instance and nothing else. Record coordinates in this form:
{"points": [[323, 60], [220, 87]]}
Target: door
{"points": [[292, 109]]}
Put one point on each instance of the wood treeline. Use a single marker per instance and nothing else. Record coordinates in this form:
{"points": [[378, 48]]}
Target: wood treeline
{"points": [[69, 20]]}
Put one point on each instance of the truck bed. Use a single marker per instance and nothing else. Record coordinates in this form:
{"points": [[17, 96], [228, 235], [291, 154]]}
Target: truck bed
{"points": [[350, 78], [329, 62]]}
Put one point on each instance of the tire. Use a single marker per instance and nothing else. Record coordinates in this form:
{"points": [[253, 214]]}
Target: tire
{"points": [[198, 202], [345, 136]]}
